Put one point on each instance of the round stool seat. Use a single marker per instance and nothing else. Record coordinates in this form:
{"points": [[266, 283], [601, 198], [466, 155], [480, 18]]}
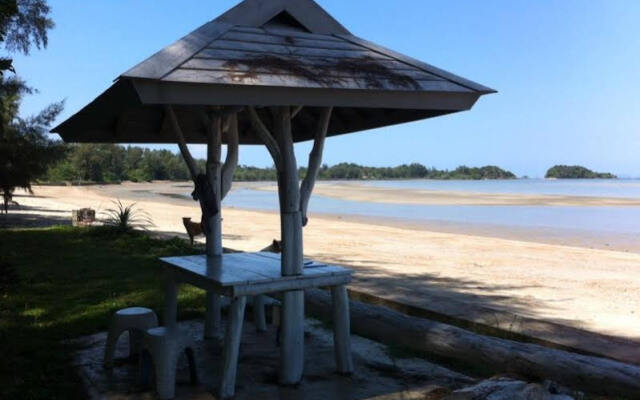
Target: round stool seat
{"points": [[135, 320], [134, 311], [162, 348]]}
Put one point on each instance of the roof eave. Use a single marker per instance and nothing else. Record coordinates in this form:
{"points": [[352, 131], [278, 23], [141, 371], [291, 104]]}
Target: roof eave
{"points": [[178, 93]]}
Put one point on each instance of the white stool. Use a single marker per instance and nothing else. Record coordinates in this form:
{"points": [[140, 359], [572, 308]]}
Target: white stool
{"points": [[162, 348], [136, 320]]}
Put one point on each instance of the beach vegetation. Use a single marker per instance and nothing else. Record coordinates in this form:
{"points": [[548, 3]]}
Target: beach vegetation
{"points": [[126, 218], [576, 172]]}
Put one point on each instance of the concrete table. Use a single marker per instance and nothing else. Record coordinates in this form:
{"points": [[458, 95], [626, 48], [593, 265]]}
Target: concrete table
{"points": [[238, 275]]}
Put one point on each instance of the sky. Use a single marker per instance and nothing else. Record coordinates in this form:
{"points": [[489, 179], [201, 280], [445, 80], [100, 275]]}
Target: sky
{"points": [[567, 74]]}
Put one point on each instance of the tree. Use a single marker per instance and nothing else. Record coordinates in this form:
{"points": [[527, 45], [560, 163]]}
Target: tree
{"points": [[25, 150], [23, 23], [576, 172]]}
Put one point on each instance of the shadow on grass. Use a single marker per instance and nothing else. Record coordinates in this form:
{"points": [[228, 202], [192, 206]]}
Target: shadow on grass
{"points": [[69, 282]]}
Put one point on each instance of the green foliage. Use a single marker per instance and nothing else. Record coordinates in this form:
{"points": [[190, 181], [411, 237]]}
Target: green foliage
{"points": [[23, 23], [126, 218], [26, 152], [114, 163], [411, 171], [576, 172], [244, 173], [70, 282]]}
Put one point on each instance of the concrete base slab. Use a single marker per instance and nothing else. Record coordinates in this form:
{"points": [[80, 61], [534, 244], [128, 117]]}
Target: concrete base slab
{"points": [[378, 375]]}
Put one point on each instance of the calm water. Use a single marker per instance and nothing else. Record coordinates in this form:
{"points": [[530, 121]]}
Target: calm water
{"points": [[624, 220]]}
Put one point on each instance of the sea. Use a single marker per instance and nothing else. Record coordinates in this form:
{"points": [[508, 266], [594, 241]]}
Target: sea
{"points": [[593, 220]]}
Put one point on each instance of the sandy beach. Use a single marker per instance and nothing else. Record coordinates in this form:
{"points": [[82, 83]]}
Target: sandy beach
{"points": [[589, 288]]}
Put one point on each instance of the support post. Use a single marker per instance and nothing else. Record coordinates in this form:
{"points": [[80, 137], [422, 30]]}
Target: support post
{"points": [[292, 348], [170, 309], [213, 316], [232, 347], [279, 142], [214, 223], [211, 188], [214, 176], [341, 329], [259, 318]]}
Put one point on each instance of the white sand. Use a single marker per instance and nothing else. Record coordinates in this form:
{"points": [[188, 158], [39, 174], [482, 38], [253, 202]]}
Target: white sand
{"points": [[593, 289]]}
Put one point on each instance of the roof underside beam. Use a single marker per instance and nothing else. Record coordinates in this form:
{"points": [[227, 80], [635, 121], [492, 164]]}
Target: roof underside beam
{"points": [[152, 92]]}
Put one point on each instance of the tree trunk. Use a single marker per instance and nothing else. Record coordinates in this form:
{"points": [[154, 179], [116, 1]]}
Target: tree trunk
{"points": [[483, 353], [6, 202], [292, 348], [214, 176]]}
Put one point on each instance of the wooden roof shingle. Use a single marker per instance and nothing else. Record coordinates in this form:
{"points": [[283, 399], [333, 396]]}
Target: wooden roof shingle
{"points": [[266, 53]]}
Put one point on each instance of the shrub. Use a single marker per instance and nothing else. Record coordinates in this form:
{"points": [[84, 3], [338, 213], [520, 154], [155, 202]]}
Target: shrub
{"points": [[126, 218]]}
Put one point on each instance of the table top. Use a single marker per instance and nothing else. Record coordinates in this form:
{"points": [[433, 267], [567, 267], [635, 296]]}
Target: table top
{"points": [[247, 268]]}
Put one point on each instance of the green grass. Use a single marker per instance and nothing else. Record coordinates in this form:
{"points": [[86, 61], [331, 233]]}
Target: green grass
{"points": [[62, 282]]}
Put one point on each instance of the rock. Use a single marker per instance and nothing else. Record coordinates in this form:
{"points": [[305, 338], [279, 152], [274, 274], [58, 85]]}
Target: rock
{"points": [[503, 388]]}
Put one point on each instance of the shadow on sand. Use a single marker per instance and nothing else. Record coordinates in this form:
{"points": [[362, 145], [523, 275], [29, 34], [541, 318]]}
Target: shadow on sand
{"points": [[478, 306], [21, 216]]}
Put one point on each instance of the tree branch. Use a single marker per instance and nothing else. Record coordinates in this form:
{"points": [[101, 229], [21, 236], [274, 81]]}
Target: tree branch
{"points": [[266, 137], [231, 161], [227, 111], [182, 144], [315, 159], [295, 111]]}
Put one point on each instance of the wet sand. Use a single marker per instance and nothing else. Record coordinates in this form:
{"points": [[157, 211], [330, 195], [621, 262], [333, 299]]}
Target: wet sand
{"points": [[589, 288], [358, 192]]}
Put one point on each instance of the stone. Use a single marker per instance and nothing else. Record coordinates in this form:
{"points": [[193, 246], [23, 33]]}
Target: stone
{"points": [[505, 388]]}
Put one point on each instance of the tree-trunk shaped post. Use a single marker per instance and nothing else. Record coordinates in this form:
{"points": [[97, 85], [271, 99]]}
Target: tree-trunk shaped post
{"points": [[211, 187], [293, 204]]}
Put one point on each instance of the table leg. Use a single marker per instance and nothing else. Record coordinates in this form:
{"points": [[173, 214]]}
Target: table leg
{"points": [[259, 317], [232, 347], [292, 338], [342, 329], [170, 311], [213, 318]]}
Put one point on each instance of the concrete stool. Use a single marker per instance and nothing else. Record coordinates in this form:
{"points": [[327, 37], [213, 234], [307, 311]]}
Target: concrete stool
{"points": [[162, 348], [136, 320]]}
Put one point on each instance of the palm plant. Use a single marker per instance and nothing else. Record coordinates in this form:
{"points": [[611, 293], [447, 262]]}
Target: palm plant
{"points": [[126, 218]]}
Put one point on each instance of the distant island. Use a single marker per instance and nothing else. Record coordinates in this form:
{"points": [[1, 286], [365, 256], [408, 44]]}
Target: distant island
{"points": [[410, 171], [107, 163], [576, 172]]}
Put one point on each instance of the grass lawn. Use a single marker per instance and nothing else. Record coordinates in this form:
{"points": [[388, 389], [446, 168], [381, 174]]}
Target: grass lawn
{"points": [[62, 282]]}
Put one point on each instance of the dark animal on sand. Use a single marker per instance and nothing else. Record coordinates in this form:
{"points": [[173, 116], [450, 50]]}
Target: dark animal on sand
{"points": [[274, 247], [193, 228]]}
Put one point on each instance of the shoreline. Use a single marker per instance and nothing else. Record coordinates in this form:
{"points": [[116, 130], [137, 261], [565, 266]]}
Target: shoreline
{"points": [[374, 194], [586, 288], [175, 193]]}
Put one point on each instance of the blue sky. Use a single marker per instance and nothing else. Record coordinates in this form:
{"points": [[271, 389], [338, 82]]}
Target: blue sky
{"points": [[567, 72]]}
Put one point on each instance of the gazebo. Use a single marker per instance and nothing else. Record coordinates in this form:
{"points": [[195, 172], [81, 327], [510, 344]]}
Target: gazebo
{"points": [[270, 72]]}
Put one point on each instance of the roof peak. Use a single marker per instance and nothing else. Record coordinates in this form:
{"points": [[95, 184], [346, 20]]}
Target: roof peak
{"points": [[306, 13], [285, 21]]}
